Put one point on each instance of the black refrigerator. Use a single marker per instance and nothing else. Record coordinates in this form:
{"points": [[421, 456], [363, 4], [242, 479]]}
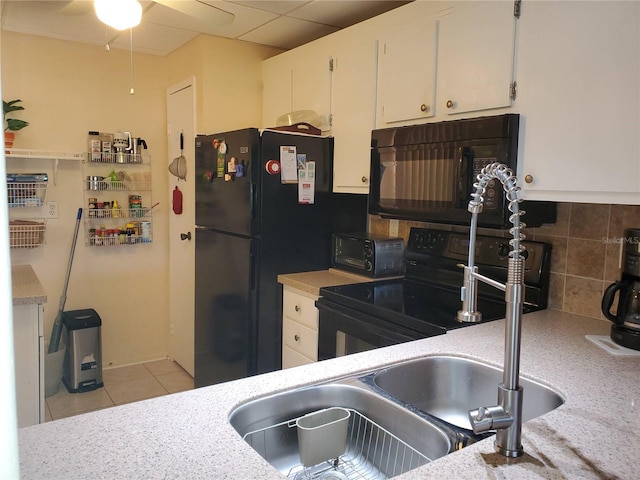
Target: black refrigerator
{"points": [[254, 221]]}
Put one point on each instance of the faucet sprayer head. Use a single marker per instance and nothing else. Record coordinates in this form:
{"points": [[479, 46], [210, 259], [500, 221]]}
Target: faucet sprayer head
{"points": [[505, 176]]}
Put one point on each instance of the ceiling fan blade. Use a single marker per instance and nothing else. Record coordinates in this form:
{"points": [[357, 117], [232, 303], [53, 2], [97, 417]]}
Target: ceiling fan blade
{"points": [[207, 16]]}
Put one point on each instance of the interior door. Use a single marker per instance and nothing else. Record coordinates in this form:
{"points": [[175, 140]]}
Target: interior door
{"points": [[181, 119]]}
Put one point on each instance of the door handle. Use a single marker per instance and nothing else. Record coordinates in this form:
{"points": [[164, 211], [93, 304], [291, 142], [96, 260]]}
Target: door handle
{"points": [[185, 236]]}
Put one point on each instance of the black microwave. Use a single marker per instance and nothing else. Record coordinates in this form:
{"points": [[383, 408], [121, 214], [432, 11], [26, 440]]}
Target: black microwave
{"points": [[426, 172]]}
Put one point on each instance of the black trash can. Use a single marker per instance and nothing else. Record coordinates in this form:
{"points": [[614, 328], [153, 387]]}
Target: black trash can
{"points": [[82, 369]]}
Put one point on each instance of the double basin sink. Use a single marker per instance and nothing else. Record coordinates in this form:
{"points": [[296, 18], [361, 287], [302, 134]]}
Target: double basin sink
{"points": [[401, 417]]}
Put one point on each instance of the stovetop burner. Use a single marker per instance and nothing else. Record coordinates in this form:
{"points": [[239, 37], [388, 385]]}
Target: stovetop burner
{"points": [[428, 299]]}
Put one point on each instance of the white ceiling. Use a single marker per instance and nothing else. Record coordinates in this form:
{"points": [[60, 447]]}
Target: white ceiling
{"points": [[168, 24]]}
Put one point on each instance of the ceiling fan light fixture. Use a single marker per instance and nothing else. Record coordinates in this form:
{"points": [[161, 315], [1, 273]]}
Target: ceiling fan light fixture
{"points": [[119, 14]]}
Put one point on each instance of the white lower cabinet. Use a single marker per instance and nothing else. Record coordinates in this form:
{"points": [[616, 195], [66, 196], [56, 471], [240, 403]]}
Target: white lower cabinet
{"points": [[299, 328], [28, 341]]}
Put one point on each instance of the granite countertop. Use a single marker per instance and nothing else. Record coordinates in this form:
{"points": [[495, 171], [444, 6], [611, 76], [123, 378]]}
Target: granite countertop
{"points": [[25, 286], [595, 434]]}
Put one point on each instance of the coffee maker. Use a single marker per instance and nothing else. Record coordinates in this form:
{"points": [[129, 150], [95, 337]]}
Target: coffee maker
{"points": [[625, 330]]}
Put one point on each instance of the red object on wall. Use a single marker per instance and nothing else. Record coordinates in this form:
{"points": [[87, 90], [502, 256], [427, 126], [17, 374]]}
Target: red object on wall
{"points": [[177, 201]]}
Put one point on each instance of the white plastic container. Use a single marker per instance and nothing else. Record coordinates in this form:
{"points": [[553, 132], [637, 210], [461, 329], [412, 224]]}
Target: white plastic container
{"points": [[322, 435]]}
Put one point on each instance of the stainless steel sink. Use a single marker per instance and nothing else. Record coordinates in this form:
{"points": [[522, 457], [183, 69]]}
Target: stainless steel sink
{"points": [[447, 387], [389, 441]]}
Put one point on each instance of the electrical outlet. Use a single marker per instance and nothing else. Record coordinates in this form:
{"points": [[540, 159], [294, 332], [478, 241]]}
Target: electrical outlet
{"points": [[393, 227], [52, 209]]}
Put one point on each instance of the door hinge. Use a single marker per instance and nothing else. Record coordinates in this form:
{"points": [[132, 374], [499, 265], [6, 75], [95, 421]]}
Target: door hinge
{"points": [[517, 5], [331, 64], [513, 88], [330, 120]]}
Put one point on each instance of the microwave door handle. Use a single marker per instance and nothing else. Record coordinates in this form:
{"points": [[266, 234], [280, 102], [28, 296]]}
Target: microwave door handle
{"points": [[464, 158]]}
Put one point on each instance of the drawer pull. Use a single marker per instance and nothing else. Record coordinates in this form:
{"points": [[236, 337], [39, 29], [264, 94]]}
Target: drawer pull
{"points": [[296, 338], [297, 308]]}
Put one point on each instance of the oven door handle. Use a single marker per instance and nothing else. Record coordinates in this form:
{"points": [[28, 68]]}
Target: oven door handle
{"points": [[334, 317]]}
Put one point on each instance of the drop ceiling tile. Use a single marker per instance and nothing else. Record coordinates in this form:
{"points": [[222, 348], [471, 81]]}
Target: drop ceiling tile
{"points": [[343, 13], [194, 16], [246, 18], [286, 32], [280, 7], [154, 39]]}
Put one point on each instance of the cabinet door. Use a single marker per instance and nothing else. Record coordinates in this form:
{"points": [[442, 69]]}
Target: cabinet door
{"points": [[579, 101], [300, 338], [29, 363], [291, 358], [312, 86], [475, 57], [407, 73], [300, 308], [353, 107], [276, 90]]}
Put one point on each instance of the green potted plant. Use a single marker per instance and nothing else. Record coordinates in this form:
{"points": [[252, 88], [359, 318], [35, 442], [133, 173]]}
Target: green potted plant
{"points": [[11, 125]]}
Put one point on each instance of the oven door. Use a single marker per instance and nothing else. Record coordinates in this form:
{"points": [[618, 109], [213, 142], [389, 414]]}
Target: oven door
{"points": [[344, 330]]}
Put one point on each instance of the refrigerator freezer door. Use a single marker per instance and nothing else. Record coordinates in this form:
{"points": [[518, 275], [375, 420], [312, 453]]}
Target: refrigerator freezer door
{"points": [[224, 329], [225, 198]]}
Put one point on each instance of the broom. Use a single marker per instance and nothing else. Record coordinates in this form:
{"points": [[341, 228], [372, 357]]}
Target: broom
{"points": [[56, 331]]}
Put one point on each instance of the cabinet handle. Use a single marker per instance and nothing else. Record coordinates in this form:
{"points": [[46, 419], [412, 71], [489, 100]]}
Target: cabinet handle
{"points": [[364, 179], [297, 308], [528, 178], [450, 104], [424, 108], [296, 338]]}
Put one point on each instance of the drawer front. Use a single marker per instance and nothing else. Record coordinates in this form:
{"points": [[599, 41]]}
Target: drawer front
{"points": [[300, 308], [291, 358], [300, 338]]}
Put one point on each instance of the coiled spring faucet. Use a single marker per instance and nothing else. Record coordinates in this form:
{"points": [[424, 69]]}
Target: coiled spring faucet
{"points": [[506, 417]]}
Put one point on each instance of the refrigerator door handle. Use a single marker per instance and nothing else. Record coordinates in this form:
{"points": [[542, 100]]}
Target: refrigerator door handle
{"points": [[252, 266], [254, 202]]}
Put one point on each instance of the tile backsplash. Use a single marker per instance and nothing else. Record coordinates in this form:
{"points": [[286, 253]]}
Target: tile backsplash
{"points": [[587, 242]]}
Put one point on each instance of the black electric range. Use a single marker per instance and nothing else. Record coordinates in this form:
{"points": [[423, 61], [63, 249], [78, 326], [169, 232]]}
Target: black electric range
{"points": [[424, 303]]}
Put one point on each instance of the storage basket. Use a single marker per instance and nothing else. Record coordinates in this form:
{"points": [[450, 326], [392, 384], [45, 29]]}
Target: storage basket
{"points": [[26, 190], [26, 233]]}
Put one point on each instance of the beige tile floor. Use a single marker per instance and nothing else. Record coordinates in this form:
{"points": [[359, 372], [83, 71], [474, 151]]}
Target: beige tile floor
{"points": [[121, 385]]}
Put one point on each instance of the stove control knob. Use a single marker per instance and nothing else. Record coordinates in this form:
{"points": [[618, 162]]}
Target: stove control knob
{"points": [[432, 240], [503, 250]]}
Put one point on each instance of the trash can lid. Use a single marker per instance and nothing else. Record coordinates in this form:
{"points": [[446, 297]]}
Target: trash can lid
{"points": [[77, 319]]}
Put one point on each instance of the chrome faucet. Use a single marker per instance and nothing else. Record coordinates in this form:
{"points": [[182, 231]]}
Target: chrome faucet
{"points": [[506, 417]]}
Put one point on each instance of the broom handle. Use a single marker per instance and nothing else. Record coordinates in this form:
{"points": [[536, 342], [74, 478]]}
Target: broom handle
{"points": [[54, 343]]}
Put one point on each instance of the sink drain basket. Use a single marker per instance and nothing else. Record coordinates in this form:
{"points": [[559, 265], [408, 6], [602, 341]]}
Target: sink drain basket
{"points": [[370, 451]]}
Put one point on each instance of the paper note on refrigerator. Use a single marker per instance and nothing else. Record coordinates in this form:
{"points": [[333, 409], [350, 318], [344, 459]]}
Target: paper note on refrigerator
{"points": [[307, 183], [289, 169]]}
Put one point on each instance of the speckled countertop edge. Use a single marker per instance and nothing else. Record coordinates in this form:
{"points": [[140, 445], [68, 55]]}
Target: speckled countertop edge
{"points": [[312, 282], [25, 286], [187, 435]]}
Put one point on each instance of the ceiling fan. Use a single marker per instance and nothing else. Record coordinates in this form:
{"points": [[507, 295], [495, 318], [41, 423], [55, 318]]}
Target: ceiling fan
{"points": [[200, 15]]}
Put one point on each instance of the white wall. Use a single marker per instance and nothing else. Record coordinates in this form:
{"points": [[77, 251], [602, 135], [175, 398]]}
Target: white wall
{"points": [[69, 88]]}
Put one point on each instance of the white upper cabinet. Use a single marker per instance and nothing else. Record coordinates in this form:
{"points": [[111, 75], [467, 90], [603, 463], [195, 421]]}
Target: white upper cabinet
{"points": [[475, 57], [276, 90], [311, 86], [579, 101], [353, 102], [407, 72]]}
